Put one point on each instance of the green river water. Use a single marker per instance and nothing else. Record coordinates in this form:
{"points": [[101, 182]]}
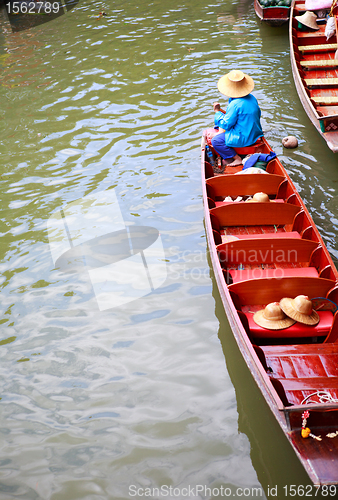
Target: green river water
{"points": [[112, 403]]}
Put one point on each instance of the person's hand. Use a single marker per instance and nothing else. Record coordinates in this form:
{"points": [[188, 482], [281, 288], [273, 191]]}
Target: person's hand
{"points": [[217, 106]]}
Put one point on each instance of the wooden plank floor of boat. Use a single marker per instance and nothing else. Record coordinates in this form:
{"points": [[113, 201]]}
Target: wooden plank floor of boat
{"points": [[304, 368]]}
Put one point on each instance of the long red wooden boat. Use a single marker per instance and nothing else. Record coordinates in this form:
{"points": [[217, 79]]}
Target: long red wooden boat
{"points": [[315, 72], [274, 15], [262, 252]]}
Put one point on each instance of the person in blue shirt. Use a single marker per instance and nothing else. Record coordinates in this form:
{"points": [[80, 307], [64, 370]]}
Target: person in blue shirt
{"points": [[240, 126]]}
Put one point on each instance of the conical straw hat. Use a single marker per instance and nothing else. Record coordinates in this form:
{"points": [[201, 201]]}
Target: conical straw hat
{"points": [[235, 84], [272, 317], [300, 309], [308, 19]]}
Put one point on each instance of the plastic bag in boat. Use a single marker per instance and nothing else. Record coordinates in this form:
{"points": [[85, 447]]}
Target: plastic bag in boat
{"points": [[317, 4], [330, 28], [258, 159]]}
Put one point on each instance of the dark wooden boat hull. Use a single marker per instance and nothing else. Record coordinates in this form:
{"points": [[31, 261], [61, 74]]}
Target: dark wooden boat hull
{"points": [[314, 72], [320, 459], [274, 16]]}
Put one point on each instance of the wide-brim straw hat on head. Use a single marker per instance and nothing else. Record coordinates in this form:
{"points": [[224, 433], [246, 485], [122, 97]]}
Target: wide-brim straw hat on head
{"points": [[235, 84], [300, 309], [273, 318], [308, 19]]}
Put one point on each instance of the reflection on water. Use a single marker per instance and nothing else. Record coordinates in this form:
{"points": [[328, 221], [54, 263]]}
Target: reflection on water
{"points": [[96, 400]]}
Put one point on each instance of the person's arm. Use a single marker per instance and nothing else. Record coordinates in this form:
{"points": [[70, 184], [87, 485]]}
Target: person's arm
{"points": [[218, 115], [229, 120]]}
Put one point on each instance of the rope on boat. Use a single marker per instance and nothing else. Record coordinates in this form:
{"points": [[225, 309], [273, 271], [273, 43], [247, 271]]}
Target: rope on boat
{"points": [[332, 7], [324, 397]]}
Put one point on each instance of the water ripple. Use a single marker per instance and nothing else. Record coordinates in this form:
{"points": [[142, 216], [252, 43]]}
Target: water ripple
{"points": [[94, 401]]}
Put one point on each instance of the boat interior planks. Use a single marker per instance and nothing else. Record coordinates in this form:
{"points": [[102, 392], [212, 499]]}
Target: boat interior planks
{"points": [[262, 252], [315, 73]]}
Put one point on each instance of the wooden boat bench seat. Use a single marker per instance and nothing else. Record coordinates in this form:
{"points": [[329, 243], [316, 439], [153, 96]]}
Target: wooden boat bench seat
{"points": [[237, 185], [327, 110], [324, 47], [304, 350], [310, 384], [297, 330], [325, 99], [254, 214], [226, 238], [278, 272], [300, 7], [321, 63], [266, 257], [222, 203], [279, 252], [288, 361], [321, 82], [312, 36], [254, 148], [266, 290], [296, 390]]}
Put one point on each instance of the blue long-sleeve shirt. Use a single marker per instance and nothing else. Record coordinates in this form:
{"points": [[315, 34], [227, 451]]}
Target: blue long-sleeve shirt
{"points": [[241, 122]]}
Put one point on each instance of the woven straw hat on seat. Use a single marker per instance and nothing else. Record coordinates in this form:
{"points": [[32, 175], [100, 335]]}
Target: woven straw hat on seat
{"points": [[309, 19], [272, 317], [235, 84], [261, 197], [300, 309]]}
